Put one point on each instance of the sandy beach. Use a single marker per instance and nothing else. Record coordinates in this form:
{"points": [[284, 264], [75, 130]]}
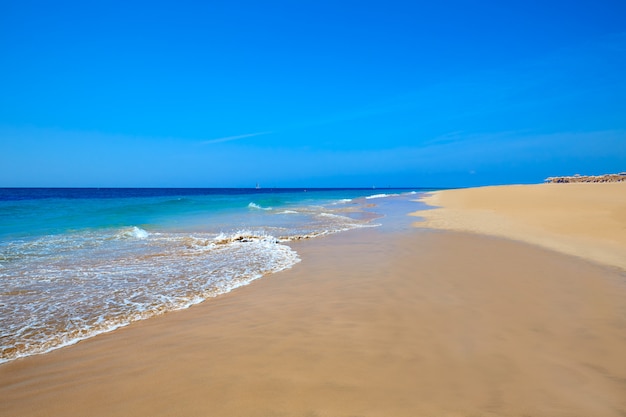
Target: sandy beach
{"points": [[581, 219], [373, 322]]}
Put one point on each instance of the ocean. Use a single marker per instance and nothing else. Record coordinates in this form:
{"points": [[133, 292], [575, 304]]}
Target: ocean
{"points": [[75, 263]]}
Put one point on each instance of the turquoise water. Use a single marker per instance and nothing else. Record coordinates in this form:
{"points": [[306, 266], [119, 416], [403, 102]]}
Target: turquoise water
{"points": [[78, 262]]}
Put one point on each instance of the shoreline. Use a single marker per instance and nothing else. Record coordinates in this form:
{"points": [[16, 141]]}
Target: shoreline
{"points": [[400, 321]]}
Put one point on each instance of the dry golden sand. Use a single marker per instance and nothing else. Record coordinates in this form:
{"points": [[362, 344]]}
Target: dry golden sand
{"points": [[586, 219], [370, 323]]}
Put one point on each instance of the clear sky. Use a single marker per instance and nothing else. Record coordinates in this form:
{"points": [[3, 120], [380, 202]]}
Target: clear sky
{"points": [[310, 93]]}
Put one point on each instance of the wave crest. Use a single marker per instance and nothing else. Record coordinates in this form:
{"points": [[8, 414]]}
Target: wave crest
{"points": [[258, 207], [133, 232], [380, 196]]}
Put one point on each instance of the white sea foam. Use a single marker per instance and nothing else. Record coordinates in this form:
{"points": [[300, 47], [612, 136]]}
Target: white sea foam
{"points": [[133, 232], [380, 196], [342, 201], [258, 207], [333, 216], [58, 289], [243, 236], [56, 298]]}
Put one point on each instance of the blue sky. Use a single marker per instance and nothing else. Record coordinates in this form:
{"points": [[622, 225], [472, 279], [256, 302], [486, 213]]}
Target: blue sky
{"points": [[310, 93]]}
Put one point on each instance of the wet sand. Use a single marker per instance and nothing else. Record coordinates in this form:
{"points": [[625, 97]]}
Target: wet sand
{"points": [[372, 322]]}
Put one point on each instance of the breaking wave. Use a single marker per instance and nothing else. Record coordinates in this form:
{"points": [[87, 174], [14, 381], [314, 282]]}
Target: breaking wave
{"points": [[56, 291], [258, 207]]}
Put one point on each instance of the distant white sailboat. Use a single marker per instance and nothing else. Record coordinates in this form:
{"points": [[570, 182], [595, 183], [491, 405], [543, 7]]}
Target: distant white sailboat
{"points": [[258, 187]]}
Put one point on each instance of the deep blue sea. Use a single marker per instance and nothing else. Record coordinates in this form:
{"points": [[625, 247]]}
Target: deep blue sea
{"points": [[78, 262]]}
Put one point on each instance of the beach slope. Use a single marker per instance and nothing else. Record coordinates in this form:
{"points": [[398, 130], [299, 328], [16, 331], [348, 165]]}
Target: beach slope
{"points": [[373, 322], [582, 219]]}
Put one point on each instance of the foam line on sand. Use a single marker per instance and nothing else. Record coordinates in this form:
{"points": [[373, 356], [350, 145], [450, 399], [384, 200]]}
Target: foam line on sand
{"points": [[371, 323]]}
